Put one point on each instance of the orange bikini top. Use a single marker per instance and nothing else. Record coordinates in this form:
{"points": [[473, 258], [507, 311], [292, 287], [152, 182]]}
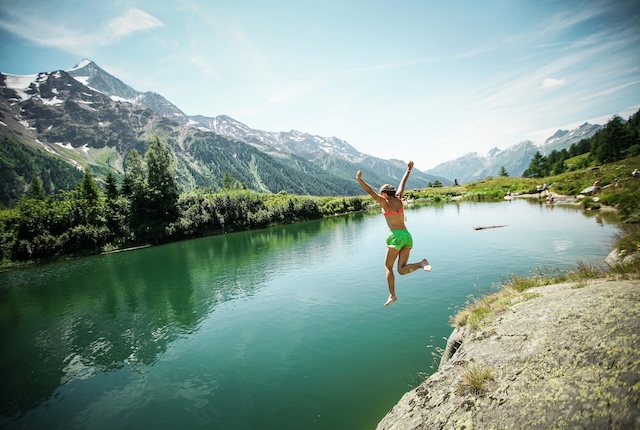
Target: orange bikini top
{"points": [[399, 211]]}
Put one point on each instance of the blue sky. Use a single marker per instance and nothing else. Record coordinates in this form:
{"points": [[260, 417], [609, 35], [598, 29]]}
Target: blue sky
{"points": [[422, 80]]}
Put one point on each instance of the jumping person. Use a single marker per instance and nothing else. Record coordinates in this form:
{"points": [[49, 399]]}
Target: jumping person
{"points": [[399, 241]]}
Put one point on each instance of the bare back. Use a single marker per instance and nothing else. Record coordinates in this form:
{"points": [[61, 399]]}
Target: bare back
{"points": [[393, 212]]}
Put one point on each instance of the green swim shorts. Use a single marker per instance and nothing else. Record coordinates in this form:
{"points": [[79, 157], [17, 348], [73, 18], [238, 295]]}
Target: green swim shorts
{"points": [[399, 239]]}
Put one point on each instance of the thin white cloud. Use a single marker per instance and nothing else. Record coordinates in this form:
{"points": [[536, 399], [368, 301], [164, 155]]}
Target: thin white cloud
{"points": [[131, 21], [570, 18], [608, 91], [68, 35], [232, 46], [517, 90], [549, 29], [551, 82], [37, 30]]}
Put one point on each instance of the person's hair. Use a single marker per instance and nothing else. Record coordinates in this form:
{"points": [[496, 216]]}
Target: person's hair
{"points": [[388, 189]]}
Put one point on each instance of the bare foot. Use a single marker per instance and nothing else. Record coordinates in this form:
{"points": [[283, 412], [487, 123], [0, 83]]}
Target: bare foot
{"points": [[425, 265], [390, 300]]}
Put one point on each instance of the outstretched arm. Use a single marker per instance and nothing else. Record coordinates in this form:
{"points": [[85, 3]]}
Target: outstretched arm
{"points": [[368, 189], [403, 182]]}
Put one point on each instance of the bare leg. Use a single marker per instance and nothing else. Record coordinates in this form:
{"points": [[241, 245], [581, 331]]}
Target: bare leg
{"points": [[390, 258], [404, 267]]}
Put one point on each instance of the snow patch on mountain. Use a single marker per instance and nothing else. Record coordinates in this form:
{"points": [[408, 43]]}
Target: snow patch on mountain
{"points": [[563, 139], [20, 84], [53, 101], [82, 64]]}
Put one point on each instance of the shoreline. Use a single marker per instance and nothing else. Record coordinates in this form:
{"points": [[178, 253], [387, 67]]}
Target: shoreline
{"points": [[564, 200], [559, 199]]}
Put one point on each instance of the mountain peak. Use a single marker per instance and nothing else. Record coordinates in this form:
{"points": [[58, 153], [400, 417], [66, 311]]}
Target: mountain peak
{"points": [[558, 134], [493, 152], [82, 64], [563, 139]]}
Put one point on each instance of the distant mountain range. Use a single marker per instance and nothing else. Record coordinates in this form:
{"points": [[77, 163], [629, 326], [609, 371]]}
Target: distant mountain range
{"points": [[88, 117], [515, 159]]}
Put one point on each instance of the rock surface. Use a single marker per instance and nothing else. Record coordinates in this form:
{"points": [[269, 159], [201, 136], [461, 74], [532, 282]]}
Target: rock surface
{"points": [[568, 358]]}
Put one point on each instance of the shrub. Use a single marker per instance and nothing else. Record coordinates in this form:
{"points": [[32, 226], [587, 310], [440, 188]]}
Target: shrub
{"points": [[475, 379]]}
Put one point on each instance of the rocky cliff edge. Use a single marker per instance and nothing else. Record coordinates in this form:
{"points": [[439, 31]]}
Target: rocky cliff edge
{"points": [[568, 358]]}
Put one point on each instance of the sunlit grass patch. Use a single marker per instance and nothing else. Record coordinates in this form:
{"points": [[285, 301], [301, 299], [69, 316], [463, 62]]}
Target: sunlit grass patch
{"points": [[475, 379], [629, 241], [585, 271], [481, 310]]}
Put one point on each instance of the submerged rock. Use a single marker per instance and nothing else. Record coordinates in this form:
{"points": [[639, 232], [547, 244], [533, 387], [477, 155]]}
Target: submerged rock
{"points": [[569, 358]]}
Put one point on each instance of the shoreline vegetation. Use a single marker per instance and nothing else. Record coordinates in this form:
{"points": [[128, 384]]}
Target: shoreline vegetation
{"points": [[87, 221], [145, 206]]}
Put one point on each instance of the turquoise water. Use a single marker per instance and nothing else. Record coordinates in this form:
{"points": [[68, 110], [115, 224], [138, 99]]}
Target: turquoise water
{"points": [[281, 328]]}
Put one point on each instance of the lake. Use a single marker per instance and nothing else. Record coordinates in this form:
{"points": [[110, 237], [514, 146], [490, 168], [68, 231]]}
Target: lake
{"points": [[282, 328]]}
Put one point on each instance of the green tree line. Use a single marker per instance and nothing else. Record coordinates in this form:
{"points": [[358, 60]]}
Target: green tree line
{"points": [[617, 140], [20, 163], [144, 207]]}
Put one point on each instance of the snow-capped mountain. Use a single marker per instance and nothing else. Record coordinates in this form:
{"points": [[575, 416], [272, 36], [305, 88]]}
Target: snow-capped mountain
{"points": [[291, 142], [94, 119], [562, 139], [515, 159], [316, 149], [310, 147], [90, 74], [90, 117], [474, 166]]}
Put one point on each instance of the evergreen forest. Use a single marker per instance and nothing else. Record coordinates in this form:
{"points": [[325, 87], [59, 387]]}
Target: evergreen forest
{"points": [[617, 140], [144, 207]]}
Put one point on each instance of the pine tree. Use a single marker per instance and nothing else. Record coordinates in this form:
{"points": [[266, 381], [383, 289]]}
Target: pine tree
{"points": [[135, 188], [36, 191], [161, 181], [134, 174], [112, 186], [228, 181], [89, 190], [615, 140], [536, 167]]}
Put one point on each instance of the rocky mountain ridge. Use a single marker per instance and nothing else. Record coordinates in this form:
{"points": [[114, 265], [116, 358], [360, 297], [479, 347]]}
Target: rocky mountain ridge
{"points": [[125, 118], [314, 148], [515, 159], [95, 119]]}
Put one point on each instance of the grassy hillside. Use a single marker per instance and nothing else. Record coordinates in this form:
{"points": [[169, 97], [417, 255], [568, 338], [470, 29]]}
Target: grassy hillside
{"points": [[625, 196]]}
